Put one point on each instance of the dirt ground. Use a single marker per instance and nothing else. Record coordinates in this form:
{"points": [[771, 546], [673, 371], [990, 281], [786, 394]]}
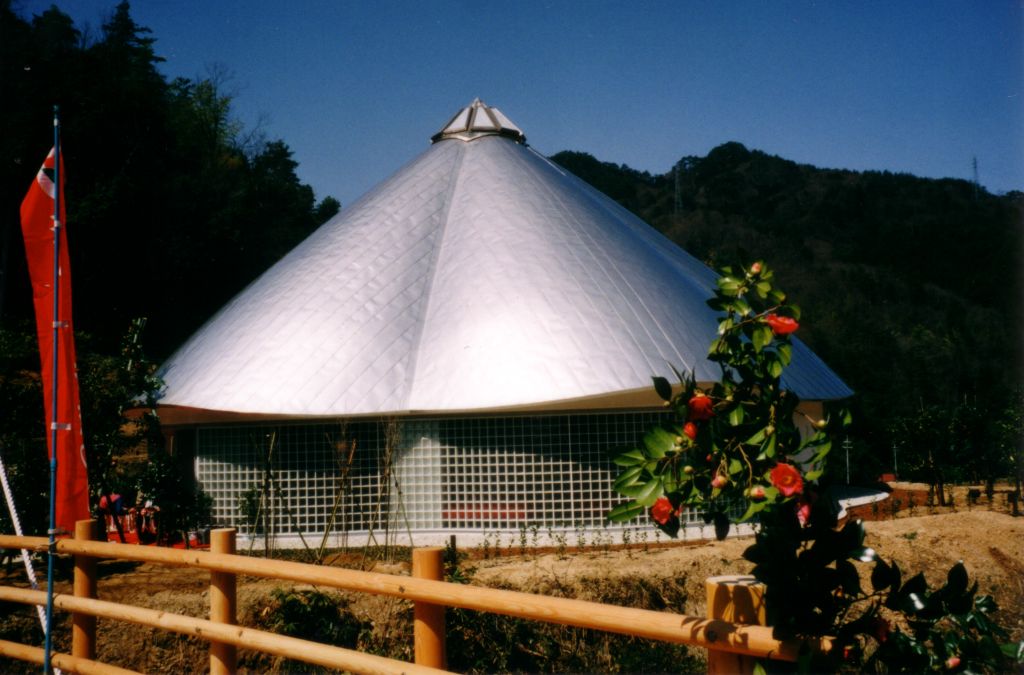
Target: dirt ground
{"points": [[987, 539], [990, 544]]}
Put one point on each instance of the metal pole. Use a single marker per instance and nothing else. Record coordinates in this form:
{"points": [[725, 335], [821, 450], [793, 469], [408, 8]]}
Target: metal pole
{"points": [[846, 446], [53, 393]]}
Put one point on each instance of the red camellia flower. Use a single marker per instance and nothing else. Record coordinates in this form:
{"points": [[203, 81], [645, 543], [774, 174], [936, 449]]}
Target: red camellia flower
{"points": [[701, 407], [781, 325], [787, 478], [662, 510], [690, 429]]}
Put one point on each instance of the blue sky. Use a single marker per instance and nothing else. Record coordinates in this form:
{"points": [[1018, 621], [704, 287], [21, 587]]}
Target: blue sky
{"points": [[356, 88]]}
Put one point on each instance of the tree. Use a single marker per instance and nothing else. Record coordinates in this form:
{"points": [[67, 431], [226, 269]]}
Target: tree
{"points": [[326, 209]]}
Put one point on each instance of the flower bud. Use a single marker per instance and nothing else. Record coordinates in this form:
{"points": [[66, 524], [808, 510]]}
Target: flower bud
{"points": [[687, 469], [756, 492], [701, 407], [690, 429], [719, 481], [952, 662], [755, 268]]}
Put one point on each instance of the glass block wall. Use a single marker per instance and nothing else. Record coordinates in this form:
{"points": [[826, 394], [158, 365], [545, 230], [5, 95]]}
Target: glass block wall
{"points": [[418, 475]]}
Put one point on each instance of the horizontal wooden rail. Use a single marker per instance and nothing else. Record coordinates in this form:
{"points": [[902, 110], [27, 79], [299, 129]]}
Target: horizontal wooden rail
{"points": [[708, 633], [316, 653], [65, 662]]}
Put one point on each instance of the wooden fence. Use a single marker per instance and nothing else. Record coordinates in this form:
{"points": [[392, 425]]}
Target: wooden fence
{"points": [[731, 637]]}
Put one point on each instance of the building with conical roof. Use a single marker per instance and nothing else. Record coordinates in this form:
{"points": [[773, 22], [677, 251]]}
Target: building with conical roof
{"points": [[455, 352]]}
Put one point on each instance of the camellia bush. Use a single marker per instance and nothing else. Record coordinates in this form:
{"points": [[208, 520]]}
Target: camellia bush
{"points": [[733, 451]]}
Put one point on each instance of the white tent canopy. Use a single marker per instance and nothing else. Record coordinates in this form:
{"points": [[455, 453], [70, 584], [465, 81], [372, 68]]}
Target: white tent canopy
{"points": [[479, 277]]}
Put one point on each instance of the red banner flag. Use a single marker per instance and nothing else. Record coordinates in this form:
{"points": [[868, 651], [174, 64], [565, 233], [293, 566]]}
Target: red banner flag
{"points": [[72, 496]]}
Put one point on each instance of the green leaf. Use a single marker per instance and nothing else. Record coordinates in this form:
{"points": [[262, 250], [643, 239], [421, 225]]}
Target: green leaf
{"points": [[774, 365], [630, 458], [736, 416], [728, 283], [721, 526], [735, 466], [717, 304], [785, 352], [663, 388], [853, 534], [650, 492], [956, 579], [881, 575], [762, 337], [670, 481], [753, 509], [756, 438], [848, 577], [631, 490], [658, 442], [814, 475], [624, 512], [763, 288], [1014, 651], [865, 554], [986, 604], [628, 478], [759, 669]]}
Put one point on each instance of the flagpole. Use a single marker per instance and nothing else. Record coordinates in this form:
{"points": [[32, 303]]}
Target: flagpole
{"points": [[53, 397]]}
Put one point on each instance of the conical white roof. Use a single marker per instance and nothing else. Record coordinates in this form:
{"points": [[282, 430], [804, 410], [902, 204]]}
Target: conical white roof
{"points": [[479, 277]]}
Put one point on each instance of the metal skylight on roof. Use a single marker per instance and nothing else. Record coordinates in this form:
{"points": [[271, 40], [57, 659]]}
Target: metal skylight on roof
{"points": [[476, 120]]}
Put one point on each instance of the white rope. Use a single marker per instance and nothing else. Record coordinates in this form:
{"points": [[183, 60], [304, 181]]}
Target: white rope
{"points": [[29, 570]]}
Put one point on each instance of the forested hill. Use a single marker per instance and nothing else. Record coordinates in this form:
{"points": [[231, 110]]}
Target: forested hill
{"points": [[911, 287], [173, 206]]}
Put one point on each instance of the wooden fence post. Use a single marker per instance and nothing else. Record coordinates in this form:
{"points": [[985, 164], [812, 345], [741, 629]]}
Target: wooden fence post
{"points": [[739, 599], [428, 619], [83, 626], [223, 657]]}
